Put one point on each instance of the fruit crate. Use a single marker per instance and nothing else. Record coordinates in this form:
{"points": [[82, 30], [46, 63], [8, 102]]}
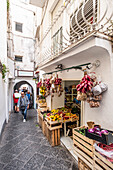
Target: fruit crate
{"points": [[105, 138], [101, 162], [83, 147], [82, 165], [41, 105], [52, 125], [73, 119], [44, 109], [41, 121], [53, 136]]}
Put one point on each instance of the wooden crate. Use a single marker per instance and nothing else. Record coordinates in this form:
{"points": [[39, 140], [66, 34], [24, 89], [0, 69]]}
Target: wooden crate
{"points": [[40, 120], [53, 125], [83, 147], [44, 127], [83, 143], [53, 136], [74, 118], [101, 162], [42, 105], [43, 109], [82, 165]]}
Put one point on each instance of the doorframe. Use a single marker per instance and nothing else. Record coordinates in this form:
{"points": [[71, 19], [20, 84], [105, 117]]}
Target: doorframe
{"points": [[82, 104]]}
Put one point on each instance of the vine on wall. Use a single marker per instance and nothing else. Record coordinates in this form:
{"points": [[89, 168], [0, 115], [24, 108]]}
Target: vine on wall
{"points": [[7, 5], [3, 70]]}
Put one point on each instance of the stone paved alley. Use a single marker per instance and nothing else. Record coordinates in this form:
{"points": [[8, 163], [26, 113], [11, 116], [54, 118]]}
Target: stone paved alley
{"points": [[23, 147]]}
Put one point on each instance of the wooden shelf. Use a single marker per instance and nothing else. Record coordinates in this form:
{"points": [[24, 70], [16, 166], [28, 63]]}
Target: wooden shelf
{"points": [[68, 102], [70, 94]]}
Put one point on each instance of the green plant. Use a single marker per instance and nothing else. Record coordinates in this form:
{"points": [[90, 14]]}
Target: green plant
{"points": [[7, 5], [4, 71]]}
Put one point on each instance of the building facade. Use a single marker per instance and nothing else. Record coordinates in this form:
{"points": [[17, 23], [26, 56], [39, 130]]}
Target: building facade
{"points": [[22, 30], [3, 59], [74, 33]]}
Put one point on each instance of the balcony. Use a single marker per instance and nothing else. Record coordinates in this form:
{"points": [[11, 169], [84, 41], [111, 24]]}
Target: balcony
{"points": [[80, 21]]}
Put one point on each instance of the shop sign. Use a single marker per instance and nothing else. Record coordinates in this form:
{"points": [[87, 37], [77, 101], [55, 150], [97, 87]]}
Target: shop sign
{"points": [[25, 73]]}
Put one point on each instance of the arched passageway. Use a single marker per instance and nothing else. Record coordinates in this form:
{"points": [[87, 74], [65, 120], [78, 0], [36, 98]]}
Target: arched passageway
{"points": [[22, 84]]}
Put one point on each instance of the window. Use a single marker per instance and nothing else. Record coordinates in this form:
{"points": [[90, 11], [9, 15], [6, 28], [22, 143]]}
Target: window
{"points": [[18, 58], [18, 27], [57, 41]]}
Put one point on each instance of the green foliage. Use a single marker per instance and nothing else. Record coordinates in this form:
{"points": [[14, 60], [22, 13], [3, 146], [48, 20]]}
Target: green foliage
{"points": [[7, 5], [4, 71]]}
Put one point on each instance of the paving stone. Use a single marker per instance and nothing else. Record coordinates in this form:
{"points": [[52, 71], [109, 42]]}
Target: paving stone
{"points": [[63, 163], [33, 138], [45, 168], [74, 166], [48, 150], [24, 147], [5, 148], [63, 153], [19, 147], [1, 166], [50, 162], [6, 158], [28, 152], [36, 160], [14, 165]]}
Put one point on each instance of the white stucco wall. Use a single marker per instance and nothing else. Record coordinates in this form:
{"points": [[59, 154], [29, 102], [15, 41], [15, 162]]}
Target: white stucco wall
{"points": [[87, 51], [3, 58], [101, 51], [24, 43], [28, 15]]}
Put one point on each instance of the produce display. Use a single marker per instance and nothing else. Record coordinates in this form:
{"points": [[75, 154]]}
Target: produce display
{"points": [[85, 85], [98, 131], [39, 84], [59, 114], [43, 90], [105, 150], [82, 131], [50, 86]]}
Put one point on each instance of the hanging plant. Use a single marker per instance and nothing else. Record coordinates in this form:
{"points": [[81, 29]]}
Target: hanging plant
{"points": [[7, 5], [4, 71]]}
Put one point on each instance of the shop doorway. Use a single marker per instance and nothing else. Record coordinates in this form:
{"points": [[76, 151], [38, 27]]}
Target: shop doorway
{"points": [[70, 98], [24, 85]]}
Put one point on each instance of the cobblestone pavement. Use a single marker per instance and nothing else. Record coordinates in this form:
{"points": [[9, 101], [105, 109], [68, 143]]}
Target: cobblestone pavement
{"points": [[23, 147]]}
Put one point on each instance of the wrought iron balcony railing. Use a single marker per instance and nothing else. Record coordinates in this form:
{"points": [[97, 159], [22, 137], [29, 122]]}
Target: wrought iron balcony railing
{"points": [[79, 20]]}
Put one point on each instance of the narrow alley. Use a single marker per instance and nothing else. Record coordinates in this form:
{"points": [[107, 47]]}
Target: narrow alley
{"points": [[24, 147], [56, 85]]}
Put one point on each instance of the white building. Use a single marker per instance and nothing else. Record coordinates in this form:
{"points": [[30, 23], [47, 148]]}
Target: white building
{"points": [[23, 20], [3, 59], [74, 33]]}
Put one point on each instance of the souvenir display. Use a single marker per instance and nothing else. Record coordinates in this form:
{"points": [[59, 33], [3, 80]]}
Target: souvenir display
{"points": [[51, 86], [91, 90]]}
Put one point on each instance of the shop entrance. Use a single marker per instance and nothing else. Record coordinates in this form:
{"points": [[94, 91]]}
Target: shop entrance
{"points": [[71, 103], [25, 86]]}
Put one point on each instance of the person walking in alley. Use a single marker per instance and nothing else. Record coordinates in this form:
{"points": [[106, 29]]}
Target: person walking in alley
{"points": [[16, 96], [23, 105], [28, 95]]}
